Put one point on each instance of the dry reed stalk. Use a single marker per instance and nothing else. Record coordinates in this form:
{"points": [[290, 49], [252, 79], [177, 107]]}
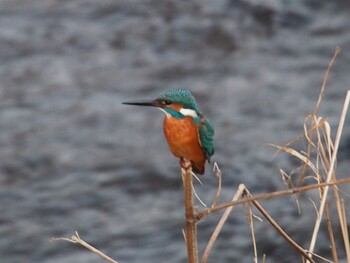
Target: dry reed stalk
{"points": [[221, 223], [217, 173], [330, 172], [331, 234], [77, 240], [340, 202], [190, 213], [279, 229], [208, 211], [317, 105], [344, 229], [324, 147], [324, 164], [249, 212]]}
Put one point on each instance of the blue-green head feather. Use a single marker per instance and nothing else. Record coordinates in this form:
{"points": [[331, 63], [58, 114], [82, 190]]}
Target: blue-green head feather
{"points": [[181, 96]]}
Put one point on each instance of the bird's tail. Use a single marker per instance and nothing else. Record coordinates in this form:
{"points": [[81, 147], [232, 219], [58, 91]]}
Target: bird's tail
{"points": [[198, 167]]}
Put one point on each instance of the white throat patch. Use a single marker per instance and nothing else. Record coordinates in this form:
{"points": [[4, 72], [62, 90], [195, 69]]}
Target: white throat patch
{"points": [[166, 113], [189, 112], [184, 112]]}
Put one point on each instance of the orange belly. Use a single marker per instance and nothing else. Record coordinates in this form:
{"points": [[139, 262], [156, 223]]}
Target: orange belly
{"points": [[182, 137]]}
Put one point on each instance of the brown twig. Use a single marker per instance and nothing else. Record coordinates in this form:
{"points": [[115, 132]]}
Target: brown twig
{"points": [[331, 234], [281, 231], [325, 147], [190, 213], [77, 240], [331, 170], [344, 230], [313, 115], [249, 211], [209, 211], [221, 223], [342, 219], [217, 173], [325, 79]]}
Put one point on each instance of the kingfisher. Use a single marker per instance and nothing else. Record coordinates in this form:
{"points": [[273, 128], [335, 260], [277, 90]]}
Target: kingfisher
{"points": [[189, 134]]}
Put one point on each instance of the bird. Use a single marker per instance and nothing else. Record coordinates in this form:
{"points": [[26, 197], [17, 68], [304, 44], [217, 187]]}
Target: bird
{"points": [[189, 134]]}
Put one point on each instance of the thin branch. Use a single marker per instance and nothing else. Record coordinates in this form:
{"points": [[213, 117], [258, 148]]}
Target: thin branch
{"points": [[320, 257], [217, 172], [281, 231], [344, 230], [325, 79], [304, 158], [196, 195], [251, 226], [221, 223], [331, 234], [209, 211], [77, 240]]}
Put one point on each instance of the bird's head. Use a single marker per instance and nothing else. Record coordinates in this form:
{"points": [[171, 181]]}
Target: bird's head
{"points": [[177, 103]]}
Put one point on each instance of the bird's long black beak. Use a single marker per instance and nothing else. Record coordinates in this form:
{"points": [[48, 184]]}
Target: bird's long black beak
{"points": [[153, 103]]}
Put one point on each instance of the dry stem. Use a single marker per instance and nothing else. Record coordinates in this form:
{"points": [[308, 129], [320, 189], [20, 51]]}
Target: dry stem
{"points": [[77, 240], [221, 223], [190, 213], [330, 171], [279, 229], [209, 211]]}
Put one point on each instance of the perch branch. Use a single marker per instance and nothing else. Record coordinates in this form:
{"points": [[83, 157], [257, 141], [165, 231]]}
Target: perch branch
{"points": [[190, 213]]}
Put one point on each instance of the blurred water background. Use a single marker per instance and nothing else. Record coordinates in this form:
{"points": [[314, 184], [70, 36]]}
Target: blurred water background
{"points": [[72, 157]]}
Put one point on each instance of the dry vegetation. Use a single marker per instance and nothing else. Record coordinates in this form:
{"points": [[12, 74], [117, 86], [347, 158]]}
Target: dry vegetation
{"points": [[319, 161]]}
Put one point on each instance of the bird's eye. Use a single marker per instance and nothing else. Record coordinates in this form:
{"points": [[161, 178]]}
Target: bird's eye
{"points": [[166, 102]]}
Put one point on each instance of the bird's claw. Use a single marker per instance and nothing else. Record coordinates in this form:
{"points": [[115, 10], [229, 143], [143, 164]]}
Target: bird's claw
{"points": [[185, 164]]}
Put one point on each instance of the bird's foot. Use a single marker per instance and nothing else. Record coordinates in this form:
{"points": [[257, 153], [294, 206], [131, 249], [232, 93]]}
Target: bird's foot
{"points": [[185, 164]]}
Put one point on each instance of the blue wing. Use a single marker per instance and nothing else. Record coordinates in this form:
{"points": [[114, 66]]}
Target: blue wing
{"points": [[206, 137]]}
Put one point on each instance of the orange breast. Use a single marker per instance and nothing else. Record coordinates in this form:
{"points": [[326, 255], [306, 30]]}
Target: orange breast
{"points": [[182, 137]]}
